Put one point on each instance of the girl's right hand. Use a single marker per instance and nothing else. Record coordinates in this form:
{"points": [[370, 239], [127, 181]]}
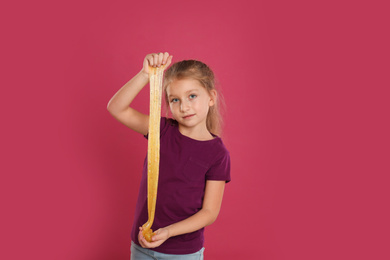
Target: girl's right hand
{"points": [[156, 60]]}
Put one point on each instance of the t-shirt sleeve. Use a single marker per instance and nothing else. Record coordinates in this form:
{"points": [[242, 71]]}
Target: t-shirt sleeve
{"points": [[220, 170], [163, 125]]}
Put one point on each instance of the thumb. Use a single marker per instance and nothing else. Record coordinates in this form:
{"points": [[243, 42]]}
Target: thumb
{"points": [[157, 235]]}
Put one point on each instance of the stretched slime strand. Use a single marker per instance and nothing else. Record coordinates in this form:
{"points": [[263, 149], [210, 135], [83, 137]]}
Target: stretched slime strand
{"points": [[155, 78]]}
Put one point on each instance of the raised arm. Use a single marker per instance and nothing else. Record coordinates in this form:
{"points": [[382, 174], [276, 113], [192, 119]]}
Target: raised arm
{"points": [[119, 104]]}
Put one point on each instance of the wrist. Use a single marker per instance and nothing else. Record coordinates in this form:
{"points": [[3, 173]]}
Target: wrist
{"points": [[169, 231], [144, 75]]}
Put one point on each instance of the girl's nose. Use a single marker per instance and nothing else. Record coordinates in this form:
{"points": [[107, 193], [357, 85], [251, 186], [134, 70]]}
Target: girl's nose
{"points": [[184, 106]]}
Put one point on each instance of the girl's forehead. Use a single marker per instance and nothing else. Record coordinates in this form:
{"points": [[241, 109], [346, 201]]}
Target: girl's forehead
{"points": [[184, 85]]}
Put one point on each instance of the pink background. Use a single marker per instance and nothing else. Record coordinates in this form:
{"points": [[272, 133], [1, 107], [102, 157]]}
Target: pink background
{"points": [[307, 124]]}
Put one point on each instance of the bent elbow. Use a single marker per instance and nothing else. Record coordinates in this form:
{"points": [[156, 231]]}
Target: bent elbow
{"points": [[109, 106], [211, 221], [111, 109], [212, 217]]}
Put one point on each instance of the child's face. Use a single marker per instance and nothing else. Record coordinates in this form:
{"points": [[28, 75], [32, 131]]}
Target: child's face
{"points": [[189, 102]]}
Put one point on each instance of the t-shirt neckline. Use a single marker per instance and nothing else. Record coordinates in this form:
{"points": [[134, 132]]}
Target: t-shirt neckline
{"points": [[194, 140]]}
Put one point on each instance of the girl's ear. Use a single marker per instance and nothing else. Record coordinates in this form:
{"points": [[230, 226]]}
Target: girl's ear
{"points": [[213, 97]]}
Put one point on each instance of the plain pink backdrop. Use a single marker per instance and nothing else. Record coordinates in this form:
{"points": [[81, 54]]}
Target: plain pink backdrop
{"points": [[307, 123]]}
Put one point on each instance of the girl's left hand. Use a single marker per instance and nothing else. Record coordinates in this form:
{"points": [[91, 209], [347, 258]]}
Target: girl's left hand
{"points": [[161, 235]]}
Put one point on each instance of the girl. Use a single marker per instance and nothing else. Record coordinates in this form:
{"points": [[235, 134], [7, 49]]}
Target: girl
{"points": [[194, 163]]}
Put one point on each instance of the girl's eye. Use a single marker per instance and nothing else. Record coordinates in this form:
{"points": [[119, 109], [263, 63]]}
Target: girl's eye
{"points": [[192, 96], [174, 100]]}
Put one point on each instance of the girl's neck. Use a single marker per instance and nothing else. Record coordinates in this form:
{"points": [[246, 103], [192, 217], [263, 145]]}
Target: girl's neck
{"points": [[199, 133]]}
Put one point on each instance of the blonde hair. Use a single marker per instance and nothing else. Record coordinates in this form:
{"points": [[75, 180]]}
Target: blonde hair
{"points": [[193, 69]]}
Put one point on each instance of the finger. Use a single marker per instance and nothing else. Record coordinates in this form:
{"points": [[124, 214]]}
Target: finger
{"points": [[158, 235], [155, 59], [141, 239], [165, 58], [147, 244], [147, 61], [160, 58], [169, 61], [151, 60]]}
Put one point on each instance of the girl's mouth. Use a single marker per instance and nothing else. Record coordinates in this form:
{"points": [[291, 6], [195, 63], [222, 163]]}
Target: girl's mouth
{"points": [[189, 116]]}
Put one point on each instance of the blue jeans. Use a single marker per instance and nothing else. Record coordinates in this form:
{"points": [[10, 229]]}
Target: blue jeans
{"points": [[140, 253]]}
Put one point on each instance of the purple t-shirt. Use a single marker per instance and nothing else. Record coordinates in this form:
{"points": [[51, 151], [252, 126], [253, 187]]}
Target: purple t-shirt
{"points": [[185, 166]]}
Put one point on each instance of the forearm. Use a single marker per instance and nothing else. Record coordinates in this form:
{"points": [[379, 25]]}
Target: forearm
{"points": [[123, 98], [201, 219]]}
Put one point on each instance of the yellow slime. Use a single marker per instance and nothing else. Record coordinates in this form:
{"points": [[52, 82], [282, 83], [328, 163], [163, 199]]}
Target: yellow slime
{"points": [[155, 78]]}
